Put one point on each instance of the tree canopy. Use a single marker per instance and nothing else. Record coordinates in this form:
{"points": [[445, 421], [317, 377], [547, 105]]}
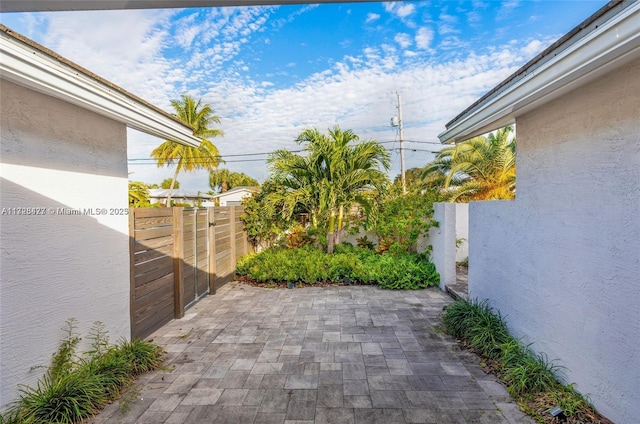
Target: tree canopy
{"points": [[222, 180], [205, 156], [482, 168], [336, 172]]}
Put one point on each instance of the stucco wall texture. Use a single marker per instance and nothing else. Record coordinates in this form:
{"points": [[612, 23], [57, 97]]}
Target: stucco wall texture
{"points": [[562, 261], [54, 267]]}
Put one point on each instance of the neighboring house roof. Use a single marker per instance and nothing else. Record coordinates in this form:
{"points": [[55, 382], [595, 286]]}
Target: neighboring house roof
{"points": [[51, 5], [179, 193], [27, 63], [603, 42], [248, 189]]}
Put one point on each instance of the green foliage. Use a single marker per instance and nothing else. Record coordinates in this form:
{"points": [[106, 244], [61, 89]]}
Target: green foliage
{"points": [[310, 265], [205, 156], [530, 377], [482, 168], [166, 183], [138, 194], [365, 243], [402, 219], [336, 172], [298, 237], [222, 180], [73, 388], [262, 217]]}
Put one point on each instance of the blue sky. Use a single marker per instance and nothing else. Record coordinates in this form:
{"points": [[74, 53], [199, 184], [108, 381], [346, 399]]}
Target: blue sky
{"points": [[270, 72]]}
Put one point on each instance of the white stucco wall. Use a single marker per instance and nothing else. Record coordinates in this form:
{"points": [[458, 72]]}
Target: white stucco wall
{"points": [[443, 240], [54, 267], [462, 231], [562, 261]]}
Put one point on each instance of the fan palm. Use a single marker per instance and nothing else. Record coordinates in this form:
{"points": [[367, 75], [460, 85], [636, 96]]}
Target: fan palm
{"points": [[205, 156]]}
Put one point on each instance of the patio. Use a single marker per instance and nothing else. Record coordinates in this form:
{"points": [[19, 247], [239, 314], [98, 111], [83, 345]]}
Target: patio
{"points": [[353, 354]]}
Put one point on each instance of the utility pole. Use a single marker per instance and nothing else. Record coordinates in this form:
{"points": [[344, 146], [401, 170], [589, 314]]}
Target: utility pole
{"points": [[402, 170]]}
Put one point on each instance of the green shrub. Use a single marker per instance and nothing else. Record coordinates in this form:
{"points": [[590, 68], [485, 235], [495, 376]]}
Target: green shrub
{"points": [[74, 387], [530, 377], [310, 265]]}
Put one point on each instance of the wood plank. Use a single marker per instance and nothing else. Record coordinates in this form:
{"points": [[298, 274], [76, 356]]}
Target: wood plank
{"points": [[147, 324], [153, 254], [151, 212], [153, 264], [144, 290], [154, 274], [151, 233], [141, 246], [154, 297], [153, 221], [223, 244], [202, 257]]}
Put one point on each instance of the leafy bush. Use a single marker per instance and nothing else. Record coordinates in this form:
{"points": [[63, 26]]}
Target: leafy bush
{"points": [[402, 219], [74, 387], [530, 377], [309, 265]]}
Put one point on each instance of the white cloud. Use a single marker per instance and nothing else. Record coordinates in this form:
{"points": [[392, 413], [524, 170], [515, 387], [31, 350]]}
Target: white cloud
{"points": [[400, 9], [372, 17], [356, 92], [403, 39], [424, 36]]}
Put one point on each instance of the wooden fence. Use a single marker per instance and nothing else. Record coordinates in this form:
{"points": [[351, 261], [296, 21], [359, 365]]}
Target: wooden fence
{"points": [[178, 256]]}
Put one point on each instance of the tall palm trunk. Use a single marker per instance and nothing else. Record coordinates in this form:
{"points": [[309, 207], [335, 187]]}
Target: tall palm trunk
{"points": [[340, 222], [173, 183], [331, 232]]}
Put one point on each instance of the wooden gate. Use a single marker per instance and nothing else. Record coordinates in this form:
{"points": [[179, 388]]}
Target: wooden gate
{"points": [[224, 256], [195, 246], [152, 251], [179, 256]]}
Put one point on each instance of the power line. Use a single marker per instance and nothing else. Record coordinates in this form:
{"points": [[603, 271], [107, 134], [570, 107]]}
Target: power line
{"points": [[268, 153]]}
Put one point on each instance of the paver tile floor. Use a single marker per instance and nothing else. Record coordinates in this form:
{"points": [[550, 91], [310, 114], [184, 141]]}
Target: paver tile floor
{"points": [[353, 354]]}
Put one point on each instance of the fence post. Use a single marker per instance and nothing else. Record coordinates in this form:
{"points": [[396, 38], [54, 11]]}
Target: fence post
{"points": [[132, 272], [232, 229], [178, 263], [212, 249]]}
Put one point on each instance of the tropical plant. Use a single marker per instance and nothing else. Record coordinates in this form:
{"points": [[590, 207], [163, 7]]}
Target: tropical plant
{"points": [[402, 219], [222, 180], [166, 183], [529, 376], [205, 156], [74, 387], [336, 173], [482, 168], [309, 265], [138, 194], [262, 217]]}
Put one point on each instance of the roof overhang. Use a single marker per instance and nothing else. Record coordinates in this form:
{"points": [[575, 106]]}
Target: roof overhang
{"points": [[58, 5], [30, 65], [604, 45]]}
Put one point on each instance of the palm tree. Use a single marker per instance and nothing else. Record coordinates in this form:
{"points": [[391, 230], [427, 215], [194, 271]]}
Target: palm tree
{"points": [[336, 172], [138, 194], [482, 168], [205, 156], [222, 180]]}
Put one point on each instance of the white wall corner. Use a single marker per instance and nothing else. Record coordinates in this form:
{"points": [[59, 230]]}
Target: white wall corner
{"points": [[443, 240]]}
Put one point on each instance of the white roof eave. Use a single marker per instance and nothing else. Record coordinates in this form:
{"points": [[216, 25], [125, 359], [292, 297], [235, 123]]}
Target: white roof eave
{"points": [[24, 65], [614, 43]]}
